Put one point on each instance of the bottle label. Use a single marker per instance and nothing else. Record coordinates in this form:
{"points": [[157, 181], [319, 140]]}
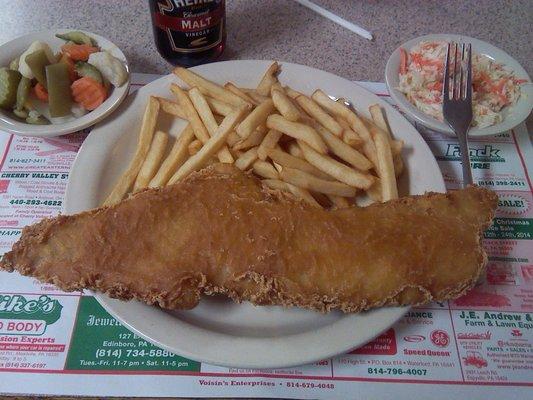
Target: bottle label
{"points": [[191, 25]]}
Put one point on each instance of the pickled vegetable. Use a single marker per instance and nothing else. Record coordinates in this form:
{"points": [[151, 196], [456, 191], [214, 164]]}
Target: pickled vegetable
{"points": [[40, 92], [37, 63], [14, 64], [23, 92], [77, 37], [89, 93], [24, 68], [110, 67], [59, 96], [86, 69], [9, 80], [21, 113], [71, 67], [35, 118]]}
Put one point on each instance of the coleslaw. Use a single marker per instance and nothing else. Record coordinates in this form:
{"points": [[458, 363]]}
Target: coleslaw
{"points": [[421, 76]]}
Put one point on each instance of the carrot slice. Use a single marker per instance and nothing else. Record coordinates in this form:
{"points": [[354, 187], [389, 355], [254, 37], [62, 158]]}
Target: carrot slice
{"points": [[435, 86], [403, 61], [40, 92], [71, 67], [88, 92], [78, 52]]}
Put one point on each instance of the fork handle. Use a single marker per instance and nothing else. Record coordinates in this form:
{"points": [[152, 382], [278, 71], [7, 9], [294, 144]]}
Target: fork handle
{"points": [[465, 157]]}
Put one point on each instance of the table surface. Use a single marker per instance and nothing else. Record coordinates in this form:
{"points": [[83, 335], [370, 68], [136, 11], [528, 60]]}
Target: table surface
{"points": [[286, 31]]}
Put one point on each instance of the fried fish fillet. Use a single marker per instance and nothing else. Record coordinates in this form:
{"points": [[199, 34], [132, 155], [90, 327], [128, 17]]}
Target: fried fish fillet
{"points": [[220, 231]]}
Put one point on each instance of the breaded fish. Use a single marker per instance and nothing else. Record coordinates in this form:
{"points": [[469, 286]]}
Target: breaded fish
{"points": [[220, 231]]}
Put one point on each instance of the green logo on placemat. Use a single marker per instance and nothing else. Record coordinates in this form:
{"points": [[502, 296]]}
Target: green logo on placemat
{"points": [[22, 316], [100, 342]]}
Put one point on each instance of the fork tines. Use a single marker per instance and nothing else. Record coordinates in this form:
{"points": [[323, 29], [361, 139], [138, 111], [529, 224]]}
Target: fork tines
{"points": [[458, 64]]}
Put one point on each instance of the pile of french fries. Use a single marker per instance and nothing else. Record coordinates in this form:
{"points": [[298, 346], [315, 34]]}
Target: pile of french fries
{"points": [[314, 147]]}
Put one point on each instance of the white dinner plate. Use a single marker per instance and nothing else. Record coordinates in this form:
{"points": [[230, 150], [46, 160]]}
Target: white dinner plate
{"points": [[219, 331], [14, 48], [512, 115]]}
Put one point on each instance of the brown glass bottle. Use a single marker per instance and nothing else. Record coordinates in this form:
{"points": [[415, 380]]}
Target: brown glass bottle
{"points": [[189, 32]]}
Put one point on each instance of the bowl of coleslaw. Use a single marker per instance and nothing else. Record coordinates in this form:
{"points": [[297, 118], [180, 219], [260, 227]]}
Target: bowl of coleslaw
{"points": [[502, 95]]}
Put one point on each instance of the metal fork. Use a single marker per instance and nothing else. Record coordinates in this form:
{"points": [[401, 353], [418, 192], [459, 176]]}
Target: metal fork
{"points": [[457, 99]]}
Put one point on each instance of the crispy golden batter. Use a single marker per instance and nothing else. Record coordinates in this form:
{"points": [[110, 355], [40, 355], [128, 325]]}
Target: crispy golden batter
{"points": [[220, 231]]}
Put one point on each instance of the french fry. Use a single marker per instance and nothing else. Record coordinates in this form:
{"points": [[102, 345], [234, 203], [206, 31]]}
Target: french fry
{"points": [[318, 149], [396, 147], [276, 86], [211, 146], [389, 188], [204, 112], [194, 147], [379, 119], [334, 107], [233, 139], [236, 153], [247, 159], [259, 98], [294, 150], [253, 140], [269, 142], [358, 126], [243, 95], [398, 165], [152, 161], [268, 79], [286, 160], [219, 107], [307, 181], [298, 131], [200, 131], [299, 193], [336, 169], [265, 170], [201, 106], [257, 117], [339, 202], [342, 122], [292, 93], [211, 161], [177, 156], [323, 118], [343, 150], [352, 139], [208, 88], [278, 167], [348, 135], [284, 105], [146, 134], [322, 199], [374, 192], [171, 107]]}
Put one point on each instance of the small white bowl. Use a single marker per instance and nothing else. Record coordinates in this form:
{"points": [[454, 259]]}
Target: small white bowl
{"points": [[512, 116], [14, 48]]}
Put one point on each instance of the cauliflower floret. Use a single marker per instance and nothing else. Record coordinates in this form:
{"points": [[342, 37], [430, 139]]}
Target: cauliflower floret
{"points": [[111, 67], [24, 68]]}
